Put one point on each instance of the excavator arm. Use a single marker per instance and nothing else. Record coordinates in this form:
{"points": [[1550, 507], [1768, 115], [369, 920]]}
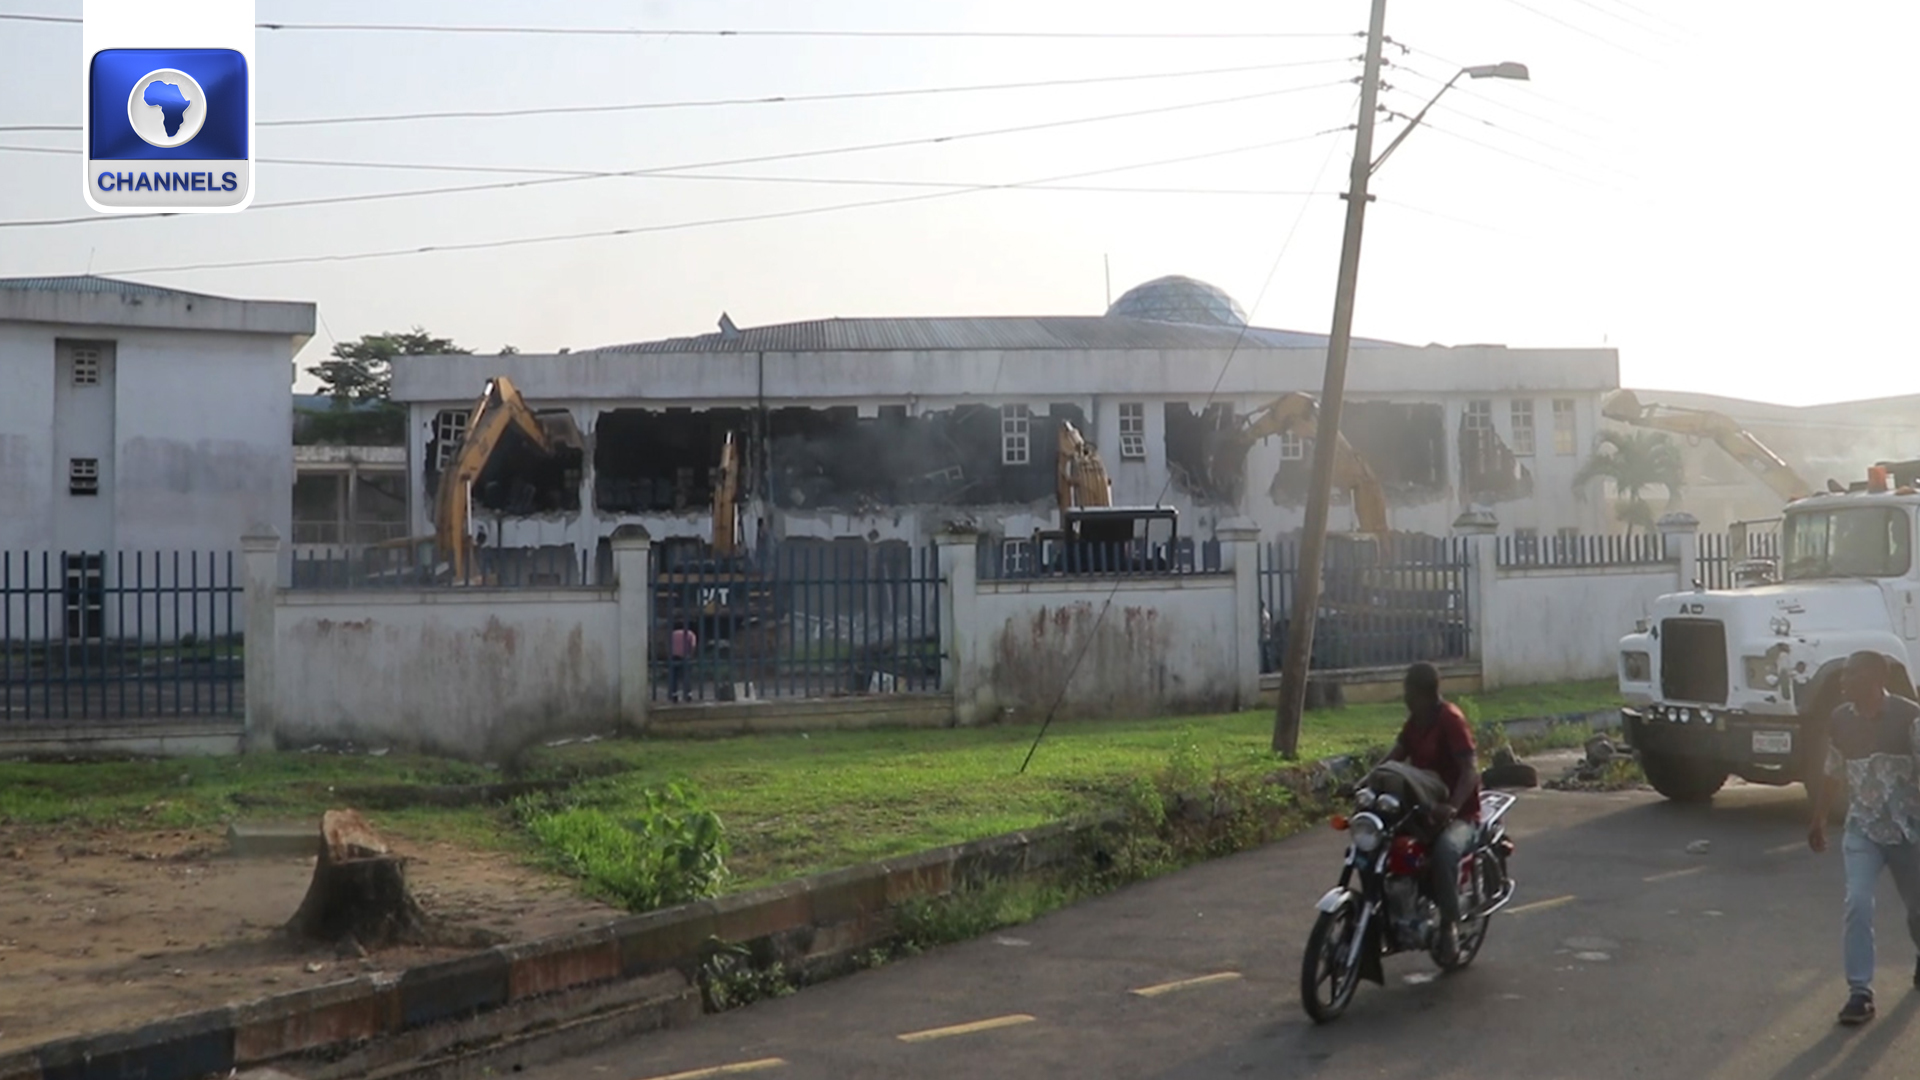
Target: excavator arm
{"points": [[1080, 478], [726, 492], [1622, 406], [499, 410], [1298, 414]]}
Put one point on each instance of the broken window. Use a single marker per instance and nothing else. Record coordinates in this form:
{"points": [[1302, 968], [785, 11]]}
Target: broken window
{"points": [[1522, 415], [519, 480], [83, 476], [667, 461], [449, 427], [1016, 441], [1565, 439], [86, 365], [1191, 441], [1404, 444], [1489, 469], [1133, 431]]}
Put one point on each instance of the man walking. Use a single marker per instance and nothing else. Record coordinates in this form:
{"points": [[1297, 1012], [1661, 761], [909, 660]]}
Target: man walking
{"points": [[1872, 742], [681, 645], [1437, 738]]}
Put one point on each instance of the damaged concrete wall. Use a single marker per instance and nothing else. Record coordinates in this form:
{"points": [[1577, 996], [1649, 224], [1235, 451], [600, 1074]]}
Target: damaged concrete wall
{"points": [[474, 675], [1165, 646]]}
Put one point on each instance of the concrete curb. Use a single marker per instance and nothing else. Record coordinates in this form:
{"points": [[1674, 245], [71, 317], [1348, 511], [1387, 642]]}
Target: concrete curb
{"points": [[515, 1005]]}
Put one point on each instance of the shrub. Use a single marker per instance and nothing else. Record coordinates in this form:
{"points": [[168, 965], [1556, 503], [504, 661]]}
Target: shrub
{"points": [[674, 851]]}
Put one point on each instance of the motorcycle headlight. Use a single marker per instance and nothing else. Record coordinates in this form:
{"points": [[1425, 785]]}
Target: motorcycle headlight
{"points": [[1387, 804], [1367, 831], [1363, 798], [1636, 667], [1760, 672]]}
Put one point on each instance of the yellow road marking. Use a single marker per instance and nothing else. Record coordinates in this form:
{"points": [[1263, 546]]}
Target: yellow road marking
{"points": [[1788, 849], [1540, 905], [1185, 984], [734, 1069], [966, 1029], [1669, 875]]}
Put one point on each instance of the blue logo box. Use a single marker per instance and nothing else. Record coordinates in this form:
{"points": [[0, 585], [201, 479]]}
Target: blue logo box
{"points": [[222, 75]]}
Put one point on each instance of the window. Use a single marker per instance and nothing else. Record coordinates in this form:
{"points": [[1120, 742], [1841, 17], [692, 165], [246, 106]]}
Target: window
{"points": [[1292, 447], [1133, 432], [1479, 416], [85, 596], [1856, 542], [1526, 544], [1016, 424], [86, 365], [83, 476], [448, 429], [1016, 557], [1522, 412], [1565, 443]]}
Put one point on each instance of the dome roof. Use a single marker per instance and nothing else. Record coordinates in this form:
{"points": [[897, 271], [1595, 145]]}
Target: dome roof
{"points": [[1178, 299]]}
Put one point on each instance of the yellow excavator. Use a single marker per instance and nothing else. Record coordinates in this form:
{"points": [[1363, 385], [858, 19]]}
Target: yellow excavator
{"points": [[726, 494], [1081, 478], [1298, 414], [1624, 407]]}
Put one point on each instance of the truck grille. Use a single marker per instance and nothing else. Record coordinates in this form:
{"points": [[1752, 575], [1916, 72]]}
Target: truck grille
{"points": [[1693, 661]]}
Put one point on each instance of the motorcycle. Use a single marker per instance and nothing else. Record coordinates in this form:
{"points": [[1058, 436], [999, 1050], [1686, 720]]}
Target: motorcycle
{"points": [[1382, 905]]}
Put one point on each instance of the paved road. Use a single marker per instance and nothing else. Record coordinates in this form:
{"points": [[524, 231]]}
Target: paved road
{"points": [[1624, 955]]}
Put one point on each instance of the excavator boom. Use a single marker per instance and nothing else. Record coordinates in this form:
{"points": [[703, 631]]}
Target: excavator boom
{"points": [[1298, 414], [726, 490], [499, 410], [1080, 478], [1624, 407]]}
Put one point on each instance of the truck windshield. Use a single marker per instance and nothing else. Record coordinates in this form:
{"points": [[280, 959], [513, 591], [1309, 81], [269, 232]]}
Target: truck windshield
{"points": [[1860, 541]]}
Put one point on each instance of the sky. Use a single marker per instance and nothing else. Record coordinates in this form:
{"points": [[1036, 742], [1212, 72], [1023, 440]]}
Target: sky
{"points": [[1707, 186]]}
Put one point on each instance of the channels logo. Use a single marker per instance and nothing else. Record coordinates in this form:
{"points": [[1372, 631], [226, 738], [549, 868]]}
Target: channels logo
{"points": [[168, 129]]}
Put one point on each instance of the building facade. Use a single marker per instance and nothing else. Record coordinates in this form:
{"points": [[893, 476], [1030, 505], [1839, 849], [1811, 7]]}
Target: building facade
{"points": [[143, 418], [888, 429]]}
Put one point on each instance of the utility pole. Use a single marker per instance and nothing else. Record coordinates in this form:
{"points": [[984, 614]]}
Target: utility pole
{"points": [[1313, 534]]}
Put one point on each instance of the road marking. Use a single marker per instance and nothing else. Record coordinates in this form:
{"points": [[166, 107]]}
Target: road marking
{"points": [[1788, 849], [1540, 905], [1671, 874], [1185, 984], [966, 1029], [734, 1069]]}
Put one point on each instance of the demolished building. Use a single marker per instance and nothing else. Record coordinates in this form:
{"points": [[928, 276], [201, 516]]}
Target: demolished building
{"points": [[887, 429]]}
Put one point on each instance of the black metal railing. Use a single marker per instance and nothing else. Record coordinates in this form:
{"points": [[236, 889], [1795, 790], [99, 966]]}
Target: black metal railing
{"points": [[120, 636], [801, 621], [1639, 549], [559, 566], [1002, 559], [1721, 560], [1377, 608]]}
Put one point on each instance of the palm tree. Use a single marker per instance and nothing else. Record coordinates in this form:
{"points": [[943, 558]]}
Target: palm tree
{"points": [[1635, 461]]}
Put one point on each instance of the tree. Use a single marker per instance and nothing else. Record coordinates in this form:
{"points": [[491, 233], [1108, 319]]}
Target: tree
{"points": [[359, 378], [1635, 461]]}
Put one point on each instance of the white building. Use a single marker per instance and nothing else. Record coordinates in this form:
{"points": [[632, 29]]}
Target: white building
{"points": [[885, 429], [143, 418]]}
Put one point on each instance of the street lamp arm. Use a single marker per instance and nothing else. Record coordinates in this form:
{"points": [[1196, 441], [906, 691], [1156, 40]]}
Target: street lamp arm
{"points": [[1413, 123]]}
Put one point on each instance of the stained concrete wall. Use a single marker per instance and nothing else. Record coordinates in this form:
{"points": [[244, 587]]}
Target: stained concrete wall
{"points": [[1547, 625]]}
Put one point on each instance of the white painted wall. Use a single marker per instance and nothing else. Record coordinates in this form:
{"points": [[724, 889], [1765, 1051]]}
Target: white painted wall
{"points": [[1165, 645], [476, 674], [1548, 625]]}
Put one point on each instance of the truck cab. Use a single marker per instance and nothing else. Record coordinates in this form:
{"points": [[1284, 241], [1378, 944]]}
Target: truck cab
{"points": [[1740, 682]]}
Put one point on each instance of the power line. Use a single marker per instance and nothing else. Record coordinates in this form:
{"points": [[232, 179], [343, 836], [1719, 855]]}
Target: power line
{"points": [[1578, 29], [663, 32], [330, 200], [1431, 126], [1500, 100], [1529, 87], [773, 99], [524, 241]]}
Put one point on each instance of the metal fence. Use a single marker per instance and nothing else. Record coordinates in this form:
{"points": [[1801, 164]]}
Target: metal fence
{"points": [[560, 565], [801, 621], [1721, 560], [1377, 608], [1003, 559], [120, 636], [1642, 549]]}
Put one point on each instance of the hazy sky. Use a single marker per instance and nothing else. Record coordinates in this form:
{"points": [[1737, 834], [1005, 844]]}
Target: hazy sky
{"points": [[1705, 185]]}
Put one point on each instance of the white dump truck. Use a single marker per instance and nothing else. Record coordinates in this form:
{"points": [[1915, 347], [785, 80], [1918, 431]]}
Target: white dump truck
{"points": [[1741, 681]]}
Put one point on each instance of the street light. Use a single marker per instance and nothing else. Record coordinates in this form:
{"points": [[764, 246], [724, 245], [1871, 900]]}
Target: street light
{"points": [[1506, 69], [1313, 531]]}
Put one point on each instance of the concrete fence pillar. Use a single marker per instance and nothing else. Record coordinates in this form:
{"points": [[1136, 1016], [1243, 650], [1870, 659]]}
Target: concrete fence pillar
{"points": [[1680, 533], [1483, 576], [633, 592], [1240, 541], [959, 552], [260, 598]]}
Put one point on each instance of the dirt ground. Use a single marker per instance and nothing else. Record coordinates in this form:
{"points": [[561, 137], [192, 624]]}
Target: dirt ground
{"points": [[102, 930]]}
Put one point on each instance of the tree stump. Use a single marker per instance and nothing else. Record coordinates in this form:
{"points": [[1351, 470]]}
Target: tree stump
{"points": [[359, 890]]}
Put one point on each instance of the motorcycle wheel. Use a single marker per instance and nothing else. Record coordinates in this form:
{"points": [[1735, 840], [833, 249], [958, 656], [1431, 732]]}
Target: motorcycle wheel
{"points": [[1327, 980]]}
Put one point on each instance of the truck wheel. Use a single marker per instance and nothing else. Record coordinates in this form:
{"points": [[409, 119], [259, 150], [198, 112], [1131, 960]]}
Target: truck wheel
{"points": [[1683, 779]]}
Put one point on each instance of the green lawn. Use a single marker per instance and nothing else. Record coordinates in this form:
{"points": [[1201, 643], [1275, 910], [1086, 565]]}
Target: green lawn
{"points": [[791, 804]]}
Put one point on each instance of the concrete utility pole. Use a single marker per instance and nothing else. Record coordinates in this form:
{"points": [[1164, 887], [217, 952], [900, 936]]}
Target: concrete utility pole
{"points": [[1313, 534]]}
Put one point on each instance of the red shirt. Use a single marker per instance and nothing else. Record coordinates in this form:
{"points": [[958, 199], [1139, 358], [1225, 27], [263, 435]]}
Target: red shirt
{"points": [[1437, 746]]}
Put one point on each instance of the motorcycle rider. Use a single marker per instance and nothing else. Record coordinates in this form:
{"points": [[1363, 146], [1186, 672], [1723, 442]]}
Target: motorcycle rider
{"points": [[1437, 738]]}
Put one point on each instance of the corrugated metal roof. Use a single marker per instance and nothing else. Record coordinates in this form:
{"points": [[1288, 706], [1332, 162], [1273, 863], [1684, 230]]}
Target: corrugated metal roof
{"points": [[90, 284], [979, 333]]}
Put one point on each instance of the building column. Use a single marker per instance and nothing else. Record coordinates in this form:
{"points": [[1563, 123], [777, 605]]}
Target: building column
{"points": [[260, 597], [1478, 526], [1240, 544], [959, 612], [1680, 537], [633, 592]]}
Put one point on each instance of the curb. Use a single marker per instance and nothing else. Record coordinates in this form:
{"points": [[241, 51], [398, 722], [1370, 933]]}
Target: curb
{"points": [[536, 1001]]}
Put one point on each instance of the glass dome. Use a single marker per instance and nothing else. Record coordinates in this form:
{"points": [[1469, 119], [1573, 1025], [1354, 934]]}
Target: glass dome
{"points": [[1180, 300]]}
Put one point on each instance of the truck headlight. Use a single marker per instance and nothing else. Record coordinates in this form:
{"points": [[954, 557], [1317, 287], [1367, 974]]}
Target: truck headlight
{"points": [[1636, 667], [1760, 672]]}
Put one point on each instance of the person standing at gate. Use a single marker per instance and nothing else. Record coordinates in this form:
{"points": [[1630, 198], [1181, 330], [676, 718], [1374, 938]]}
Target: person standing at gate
{"points": [[681, 646]]}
